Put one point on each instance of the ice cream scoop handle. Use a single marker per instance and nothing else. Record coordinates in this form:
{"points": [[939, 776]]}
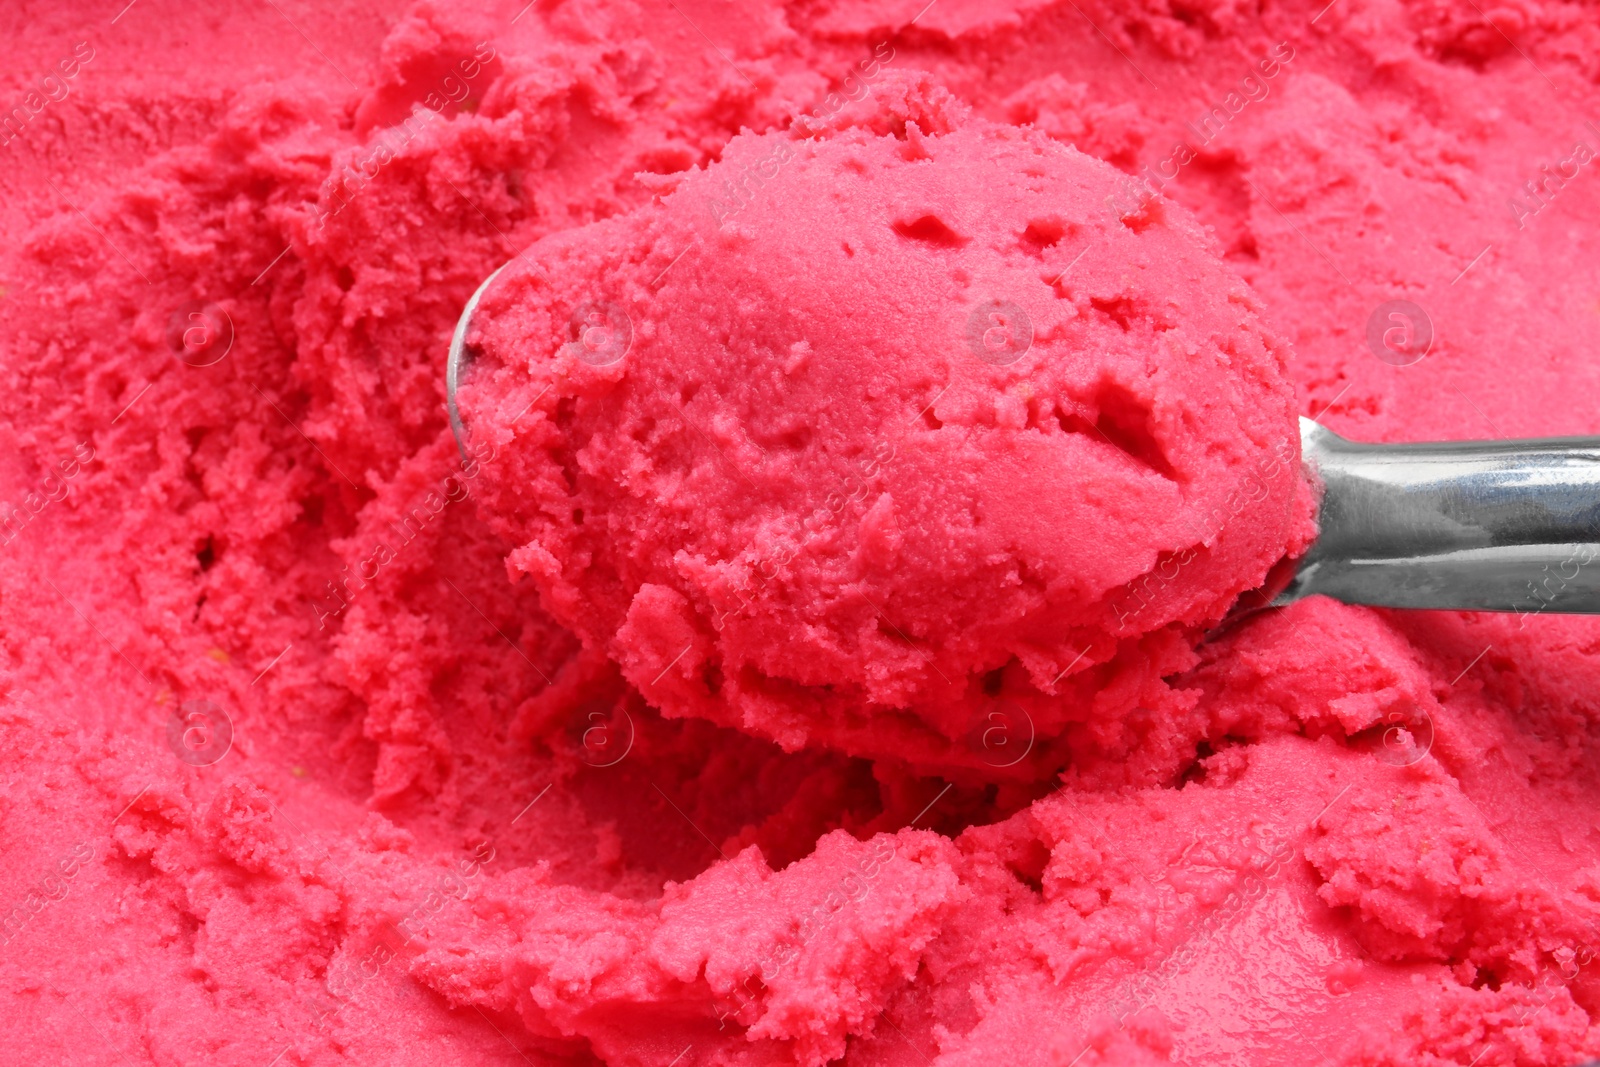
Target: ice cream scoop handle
{"points": [[1465, 525]]}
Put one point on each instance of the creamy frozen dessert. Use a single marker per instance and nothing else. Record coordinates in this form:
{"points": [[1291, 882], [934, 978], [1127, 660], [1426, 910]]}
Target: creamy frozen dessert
{"points": [[921, 426], [931, 370]]}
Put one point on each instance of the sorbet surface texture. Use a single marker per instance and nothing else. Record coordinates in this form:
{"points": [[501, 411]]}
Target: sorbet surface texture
{"points": [[324, 746], [923, 418]]}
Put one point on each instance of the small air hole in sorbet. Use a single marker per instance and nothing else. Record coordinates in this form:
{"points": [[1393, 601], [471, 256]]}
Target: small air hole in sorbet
{"points": [[929, 229], [565, 454], [1028, 864], [1072, 422], [893, 632], [1196, 771], [1150, 213], [796, 440], [1126, 423], [1042, 233], [1119, 309]]}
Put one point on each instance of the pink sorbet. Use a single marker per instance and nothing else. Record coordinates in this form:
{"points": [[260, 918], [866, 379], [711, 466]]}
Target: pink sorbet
{"points": [[873, 714], [908, 427]]}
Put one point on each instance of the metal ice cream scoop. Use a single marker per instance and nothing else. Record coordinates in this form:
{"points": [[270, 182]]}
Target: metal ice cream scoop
{"points": [[1463, 525], [460, 356]]}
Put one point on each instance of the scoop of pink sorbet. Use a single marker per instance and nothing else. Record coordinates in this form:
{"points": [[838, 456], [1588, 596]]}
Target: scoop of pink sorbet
{"points": [[879, 433]]}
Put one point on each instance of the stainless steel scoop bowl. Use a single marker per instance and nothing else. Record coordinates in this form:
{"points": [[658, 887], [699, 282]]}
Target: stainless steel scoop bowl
{"points": [[460, 356]]}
